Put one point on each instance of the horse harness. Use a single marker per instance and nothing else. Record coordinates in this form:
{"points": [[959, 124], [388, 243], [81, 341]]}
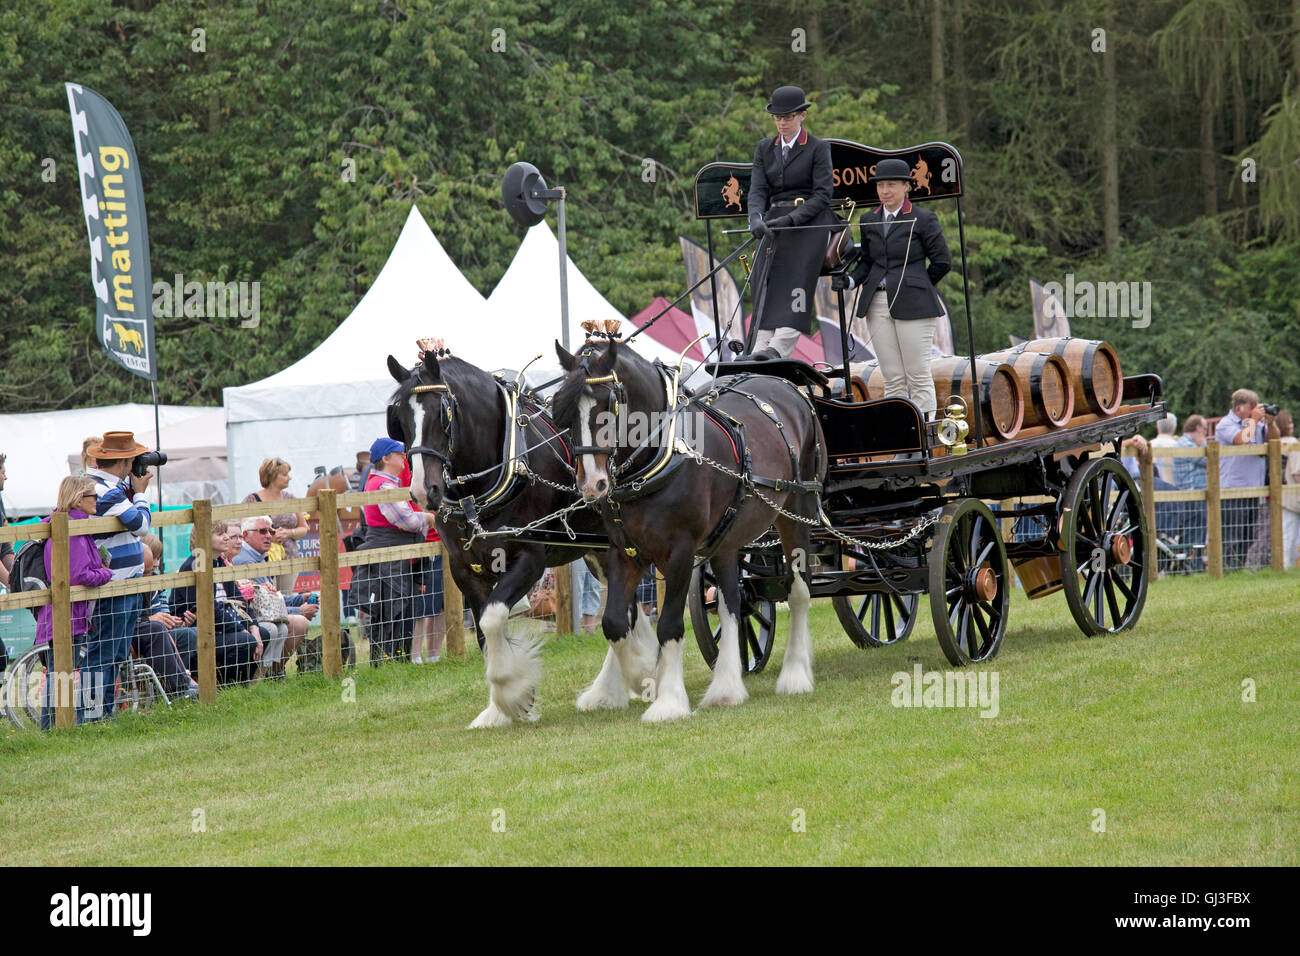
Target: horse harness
{"points": [[470, 510], [674, 452]]}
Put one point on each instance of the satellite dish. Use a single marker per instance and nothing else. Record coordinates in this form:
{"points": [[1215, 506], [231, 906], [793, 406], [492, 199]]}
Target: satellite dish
{"points": [[521, 181]]}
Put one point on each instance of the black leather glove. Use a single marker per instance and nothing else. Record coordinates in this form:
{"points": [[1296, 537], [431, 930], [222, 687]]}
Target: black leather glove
{"points": [[758, 228], [779, 222], [842, 281]]}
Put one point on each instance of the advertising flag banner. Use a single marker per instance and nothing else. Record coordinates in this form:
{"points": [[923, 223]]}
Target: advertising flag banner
{"points": [[1050, 320], [696, 259], [112, 199]]}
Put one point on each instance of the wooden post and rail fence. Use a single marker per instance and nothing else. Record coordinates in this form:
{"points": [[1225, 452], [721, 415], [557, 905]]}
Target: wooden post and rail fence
{"points": [[204, 576], [1212, 496], [330, 562]]}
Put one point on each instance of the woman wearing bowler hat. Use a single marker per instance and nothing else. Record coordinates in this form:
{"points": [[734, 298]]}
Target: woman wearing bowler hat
{"points": [[790, 186], [900, 302]]}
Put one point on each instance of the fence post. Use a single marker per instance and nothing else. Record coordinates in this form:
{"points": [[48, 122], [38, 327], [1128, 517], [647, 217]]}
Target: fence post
{"points": [[330, 598], [1213, 514], [453, 610], [563, 599], [205, 609], [1275, 503], [1147, 469], [65, 713]]}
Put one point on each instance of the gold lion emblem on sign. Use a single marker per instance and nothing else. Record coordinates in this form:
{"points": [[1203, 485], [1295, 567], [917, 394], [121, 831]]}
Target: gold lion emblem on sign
{"points": [[921, 173], [732, 192]]}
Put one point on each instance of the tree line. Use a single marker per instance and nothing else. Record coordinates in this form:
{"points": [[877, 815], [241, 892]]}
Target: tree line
{"points": [[283, 143]]}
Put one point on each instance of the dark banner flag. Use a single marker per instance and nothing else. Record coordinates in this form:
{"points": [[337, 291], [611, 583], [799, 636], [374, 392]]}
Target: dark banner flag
{"points": [[112, 199]]}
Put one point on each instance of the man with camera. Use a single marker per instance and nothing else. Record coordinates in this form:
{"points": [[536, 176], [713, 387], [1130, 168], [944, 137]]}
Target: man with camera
{"points": [[121, 476], [1248, 423]]}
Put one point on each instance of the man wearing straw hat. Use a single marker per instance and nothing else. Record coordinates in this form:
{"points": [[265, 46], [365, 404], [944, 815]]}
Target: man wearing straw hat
{"points": [[121, 496]]}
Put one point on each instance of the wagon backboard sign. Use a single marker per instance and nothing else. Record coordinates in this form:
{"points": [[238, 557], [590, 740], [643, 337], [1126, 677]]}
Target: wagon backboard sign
{"points": [[722, 189]]}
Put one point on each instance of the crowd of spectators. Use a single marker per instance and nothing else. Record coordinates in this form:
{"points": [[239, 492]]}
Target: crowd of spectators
{"points": [[262, 621]]}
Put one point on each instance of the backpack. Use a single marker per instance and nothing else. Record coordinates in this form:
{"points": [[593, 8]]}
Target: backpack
{"points": [[29, 570]]}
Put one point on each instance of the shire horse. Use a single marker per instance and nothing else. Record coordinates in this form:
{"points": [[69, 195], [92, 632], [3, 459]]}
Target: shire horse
{"points": [[667, 508], [458, 423]]}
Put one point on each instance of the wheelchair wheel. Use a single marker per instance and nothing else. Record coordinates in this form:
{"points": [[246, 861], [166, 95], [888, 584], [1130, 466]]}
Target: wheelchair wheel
{"points": [[24, 686]]}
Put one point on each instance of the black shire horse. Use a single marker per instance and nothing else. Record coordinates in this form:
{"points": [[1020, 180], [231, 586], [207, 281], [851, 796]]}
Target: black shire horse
{"points": [[458, 423], [666, 508]]}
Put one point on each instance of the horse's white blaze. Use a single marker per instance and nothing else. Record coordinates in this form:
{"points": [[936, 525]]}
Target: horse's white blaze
{"points": [[585, 404], [671, 702], [513, 671], [417, 461], [638, 653], [797, 666], [606, 691], [728, 685]]}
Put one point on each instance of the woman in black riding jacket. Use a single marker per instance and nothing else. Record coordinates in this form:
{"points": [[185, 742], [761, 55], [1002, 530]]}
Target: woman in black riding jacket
{"points": [[790, 186]]}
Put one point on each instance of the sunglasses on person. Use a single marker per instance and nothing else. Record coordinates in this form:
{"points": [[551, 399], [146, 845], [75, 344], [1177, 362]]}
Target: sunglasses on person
{"points": [[260, 531]]}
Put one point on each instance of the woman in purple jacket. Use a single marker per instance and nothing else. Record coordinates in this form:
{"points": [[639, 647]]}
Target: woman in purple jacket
{"points": [[77, 498]]}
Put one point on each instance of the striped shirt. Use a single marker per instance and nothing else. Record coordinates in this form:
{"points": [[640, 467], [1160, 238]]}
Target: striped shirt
{"points": [[125, 553], [391, 514]]}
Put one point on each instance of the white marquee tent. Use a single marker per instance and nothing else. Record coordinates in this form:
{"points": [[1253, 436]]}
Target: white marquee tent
{"points": [[43, 448], [329, 405]]}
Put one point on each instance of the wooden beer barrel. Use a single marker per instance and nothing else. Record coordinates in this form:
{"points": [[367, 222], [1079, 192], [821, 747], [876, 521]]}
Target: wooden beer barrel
{"points": [[1002, 402], [1044, 381], [1094, 368]]}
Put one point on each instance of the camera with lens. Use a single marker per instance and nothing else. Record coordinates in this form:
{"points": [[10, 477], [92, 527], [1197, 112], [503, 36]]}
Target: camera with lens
{"points": [[149, 459], [1271, 410]]}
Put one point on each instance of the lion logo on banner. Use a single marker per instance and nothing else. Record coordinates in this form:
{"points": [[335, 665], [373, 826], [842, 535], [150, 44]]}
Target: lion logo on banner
{"points": [[732, 192], [921, 173], [129, 337]]}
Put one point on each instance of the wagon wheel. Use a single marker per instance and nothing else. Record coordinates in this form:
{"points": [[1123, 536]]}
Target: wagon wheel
{"points": [[757, 623], [876, 619], [969, 597], [1103, 567]]}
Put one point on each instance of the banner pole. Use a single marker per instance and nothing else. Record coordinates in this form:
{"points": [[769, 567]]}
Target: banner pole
{"points": [[713, 288], [157, 446]]}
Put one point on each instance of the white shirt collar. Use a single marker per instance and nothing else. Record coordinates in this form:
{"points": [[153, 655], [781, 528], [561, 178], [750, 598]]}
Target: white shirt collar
{"points": [[791, 141]]}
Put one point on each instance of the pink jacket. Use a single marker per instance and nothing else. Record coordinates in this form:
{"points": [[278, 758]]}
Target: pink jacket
{"points": [[87, 570]]}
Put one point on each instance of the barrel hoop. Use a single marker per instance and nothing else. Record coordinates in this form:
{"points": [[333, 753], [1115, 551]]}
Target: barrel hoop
{"points": [[1085, 371]]}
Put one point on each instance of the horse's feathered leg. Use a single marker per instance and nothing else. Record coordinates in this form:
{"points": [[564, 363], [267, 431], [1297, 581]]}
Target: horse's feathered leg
{"points": [[633, 651], [513, 666], [797, 666], [671, 702], [728, 685]]}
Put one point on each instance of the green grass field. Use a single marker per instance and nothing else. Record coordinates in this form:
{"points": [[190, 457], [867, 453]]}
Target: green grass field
{"points": [[1149, 727]]}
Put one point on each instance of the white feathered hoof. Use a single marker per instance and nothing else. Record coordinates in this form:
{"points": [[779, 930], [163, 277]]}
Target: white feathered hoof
{"points": [[669, 707], [714, 697], [491, 717], [639, 655], [514, 668], [606, 691], [794, 681]]}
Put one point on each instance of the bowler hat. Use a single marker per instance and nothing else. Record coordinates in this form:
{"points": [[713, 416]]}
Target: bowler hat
{"points": [[116, 445], [787, 99], [385, 446], [892, 169]]}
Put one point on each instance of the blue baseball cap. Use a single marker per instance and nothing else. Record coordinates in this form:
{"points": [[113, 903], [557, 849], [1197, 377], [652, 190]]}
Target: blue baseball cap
{"points": [[385, 446]]}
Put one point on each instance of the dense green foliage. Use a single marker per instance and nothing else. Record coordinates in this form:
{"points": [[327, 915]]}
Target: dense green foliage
{"points": [[248, 133]]}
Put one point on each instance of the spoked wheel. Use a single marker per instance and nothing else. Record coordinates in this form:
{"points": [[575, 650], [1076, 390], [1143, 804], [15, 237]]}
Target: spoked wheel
{"points": [[24, 686], [757, 623], [969, 597], [876, 619], [1104, 540]]}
